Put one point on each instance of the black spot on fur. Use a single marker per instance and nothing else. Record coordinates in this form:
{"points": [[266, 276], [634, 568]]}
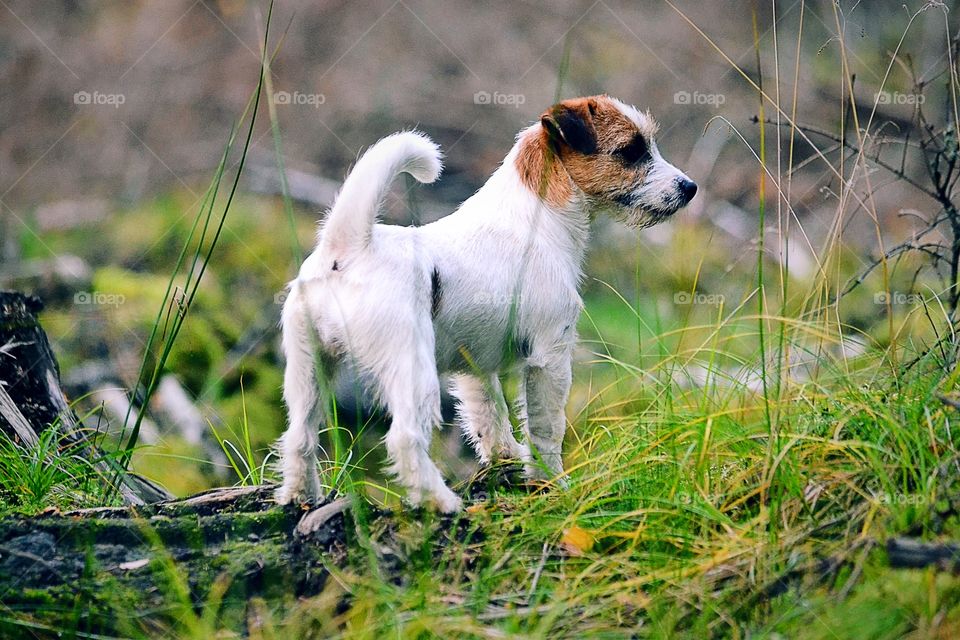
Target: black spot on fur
{"points": [[336, 267], [436, 291], [635, 152], [524, 348]]}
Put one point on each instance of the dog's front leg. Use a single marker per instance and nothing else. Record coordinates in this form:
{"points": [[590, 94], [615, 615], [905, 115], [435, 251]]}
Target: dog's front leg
{"points": [[483, 416], [546, 389]]}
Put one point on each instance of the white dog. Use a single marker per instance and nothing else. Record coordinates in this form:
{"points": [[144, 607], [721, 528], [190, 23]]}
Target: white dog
{"points": [[488, 289]]}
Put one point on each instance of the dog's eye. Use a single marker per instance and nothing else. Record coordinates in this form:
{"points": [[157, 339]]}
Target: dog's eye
{"points": [[634, 152]]}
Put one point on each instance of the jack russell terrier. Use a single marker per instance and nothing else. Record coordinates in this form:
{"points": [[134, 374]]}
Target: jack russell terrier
{"points": [[487, 290]]}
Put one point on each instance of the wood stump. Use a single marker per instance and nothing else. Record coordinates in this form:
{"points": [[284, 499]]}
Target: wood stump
{"points": [[32, 401]]}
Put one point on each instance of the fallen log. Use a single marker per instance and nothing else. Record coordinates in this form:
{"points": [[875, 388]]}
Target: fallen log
{"points": [[907, 553], [128, 570]]}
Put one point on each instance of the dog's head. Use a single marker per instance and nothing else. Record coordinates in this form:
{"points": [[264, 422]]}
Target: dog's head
{"points": [[607, 149]]}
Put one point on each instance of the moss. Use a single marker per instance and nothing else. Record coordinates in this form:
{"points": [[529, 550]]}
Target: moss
{"points": [[195, 354], [151, 235], [41, 597], [127, 298], [242, 549]]}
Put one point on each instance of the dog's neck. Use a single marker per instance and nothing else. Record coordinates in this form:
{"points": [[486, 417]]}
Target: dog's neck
{"points": [[535, 187]]}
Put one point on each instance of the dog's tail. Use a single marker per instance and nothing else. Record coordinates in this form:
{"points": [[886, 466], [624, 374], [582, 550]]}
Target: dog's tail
{"points": [[350, 221]]}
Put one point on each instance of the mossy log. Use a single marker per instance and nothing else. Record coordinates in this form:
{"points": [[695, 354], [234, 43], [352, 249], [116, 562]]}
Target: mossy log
{"points": [[152, 569]]}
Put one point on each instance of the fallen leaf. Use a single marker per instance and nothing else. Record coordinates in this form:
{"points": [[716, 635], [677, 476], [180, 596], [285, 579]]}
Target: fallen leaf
{"points": [[576, 540]]}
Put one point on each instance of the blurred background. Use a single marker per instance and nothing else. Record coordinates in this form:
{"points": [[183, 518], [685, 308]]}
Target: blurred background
{"points": [[114, 116]]}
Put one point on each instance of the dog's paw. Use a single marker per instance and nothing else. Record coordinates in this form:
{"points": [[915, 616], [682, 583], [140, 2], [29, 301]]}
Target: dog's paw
{"points": [[448, 502], [517, 450], [285, 495], [539, 475], [535, 472]]}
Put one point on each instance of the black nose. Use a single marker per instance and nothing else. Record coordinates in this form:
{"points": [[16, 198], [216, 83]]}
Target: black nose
{"points": [[688, 189]]}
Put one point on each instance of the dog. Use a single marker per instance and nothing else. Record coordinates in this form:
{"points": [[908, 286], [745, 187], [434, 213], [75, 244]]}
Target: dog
{"points": [[489, 289]]}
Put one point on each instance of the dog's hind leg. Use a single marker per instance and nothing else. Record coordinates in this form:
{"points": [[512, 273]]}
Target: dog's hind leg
{"points": [[484, 418], [411, 390], [298, 445]]}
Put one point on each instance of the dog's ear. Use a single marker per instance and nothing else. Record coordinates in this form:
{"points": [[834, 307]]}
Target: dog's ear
{"points": [[571, 123]]}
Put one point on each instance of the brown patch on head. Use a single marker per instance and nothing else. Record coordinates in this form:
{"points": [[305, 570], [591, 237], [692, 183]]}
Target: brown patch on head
{"points": [[596, 142]]}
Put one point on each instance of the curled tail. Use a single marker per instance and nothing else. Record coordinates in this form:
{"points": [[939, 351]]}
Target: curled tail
{"points": [[353, 214]]}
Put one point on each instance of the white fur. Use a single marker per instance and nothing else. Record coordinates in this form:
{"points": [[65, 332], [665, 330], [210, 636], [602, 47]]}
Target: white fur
{"points": [[509, 267]]}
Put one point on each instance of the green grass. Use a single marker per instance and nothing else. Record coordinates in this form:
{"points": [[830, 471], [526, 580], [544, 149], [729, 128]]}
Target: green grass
{"points": [[48, 474], [238, 447], [676, 523], [721, 459], [734, 470]]}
